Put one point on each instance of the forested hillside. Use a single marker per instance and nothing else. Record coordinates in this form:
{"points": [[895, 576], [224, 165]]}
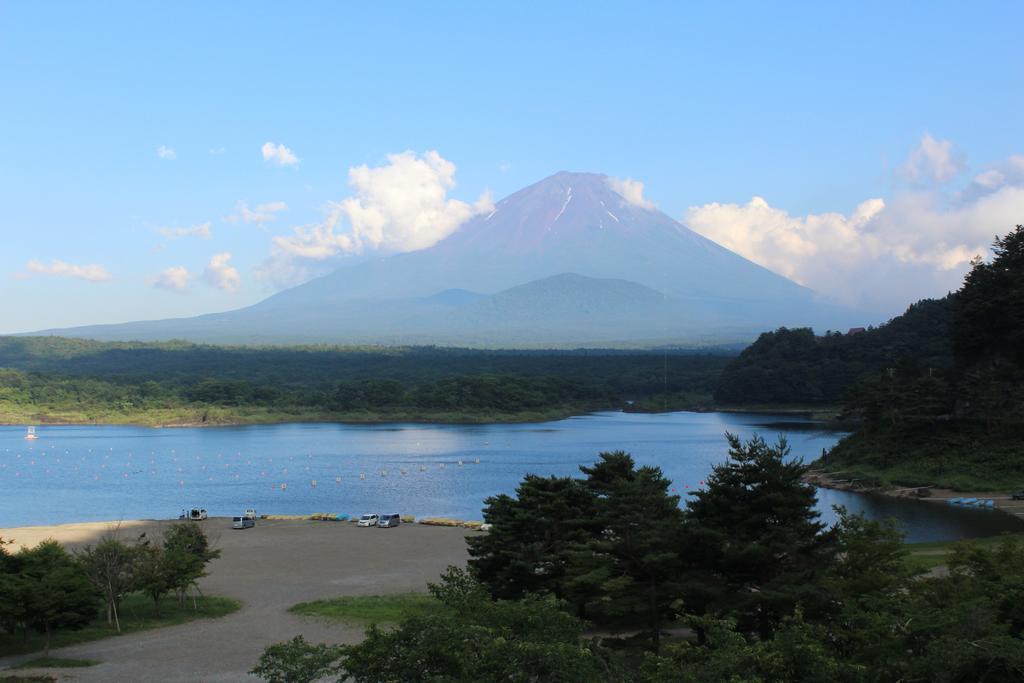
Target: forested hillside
{"points": [[70, 380], [960, 426], [793, 366]]}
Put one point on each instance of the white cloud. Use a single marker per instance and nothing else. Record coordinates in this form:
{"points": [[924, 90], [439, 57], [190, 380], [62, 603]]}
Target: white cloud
{"points": [[397, 207], [167, 153], [933, 160], [200, 230], [278, 154], [402, 205], [1007, 173], [221, 275], [316, 242], [262, 213], [90, 272], [990, 179], [884, 254], [776, 240], [217, 151], [174, 278], [632, 191]]}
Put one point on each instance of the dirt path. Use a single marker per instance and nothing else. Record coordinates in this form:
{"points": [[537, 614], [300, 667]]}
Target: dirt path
{"points": [[269, 568]]}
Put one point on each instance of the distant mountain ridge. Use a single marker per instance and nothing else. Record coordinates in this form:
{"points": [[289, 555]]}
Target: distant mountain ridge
{"points": [[566, 261]]}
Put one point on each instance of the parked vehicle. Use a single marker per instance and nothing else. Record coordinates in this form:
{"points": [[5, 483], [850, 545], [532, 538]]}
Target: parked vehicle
{"points": [[1017, 495], [368, 520], [194, 514], [389, 521], [242, 522], [250, 514]]}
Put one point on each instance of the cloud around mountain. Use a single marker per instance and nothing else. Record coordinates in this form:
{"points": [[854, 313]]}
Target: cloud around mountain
{"points": [[632, 191], [399, 206]]}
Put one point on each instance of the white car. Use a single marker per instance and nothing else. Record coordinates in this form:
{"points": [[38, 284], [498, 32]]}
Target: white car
{"points": [[250, 514], [195, 514], [368, 520]]}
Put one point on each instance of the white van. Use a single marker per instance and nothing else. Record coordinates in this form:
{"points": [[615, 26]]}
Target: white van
{"points": [[367, 520], [389, 521]]}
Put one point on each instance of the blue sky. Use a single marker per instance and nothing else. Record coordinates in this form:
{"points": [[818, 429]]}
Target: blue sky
{"points": [[816, 108]]}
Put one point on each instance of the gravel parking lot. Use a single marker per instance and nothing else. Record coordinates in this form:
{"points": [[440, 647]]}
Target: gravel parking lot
{"points": [[269, 568]]}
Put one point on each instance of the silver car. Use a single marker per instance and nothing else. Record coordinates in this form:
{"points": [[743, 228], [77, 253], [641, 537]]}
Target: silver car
{"points": [[389, 521], [242, 522]]}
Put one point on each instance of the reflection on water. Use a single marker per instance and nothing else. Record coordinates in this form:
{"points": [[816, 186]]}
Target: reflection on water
{"points": [[105, 473], [788, 426], [920, 520]]}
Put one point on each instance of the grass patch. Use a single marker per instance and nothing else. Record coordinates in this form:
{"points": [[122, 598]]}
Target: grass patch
{"points": [[27, 679], [925, 562], [137, 614], [927, 556], [55, 663], [369, 609]]}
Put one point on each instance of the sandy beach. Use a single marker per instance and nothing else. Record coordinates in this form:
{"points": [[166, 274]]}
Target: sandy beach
{"points": [[268, 568]]}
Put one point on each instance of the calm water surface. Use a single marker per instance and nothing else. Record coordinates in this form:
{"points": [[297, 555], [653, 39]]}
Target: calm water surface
{"points": [[84, 473]]}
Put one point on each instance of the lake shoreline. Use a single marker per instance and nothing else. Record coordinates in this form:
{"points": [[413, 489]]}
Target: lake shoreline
{"points": [[828, 480], [824, 415], [76, 534], [306, 419]]}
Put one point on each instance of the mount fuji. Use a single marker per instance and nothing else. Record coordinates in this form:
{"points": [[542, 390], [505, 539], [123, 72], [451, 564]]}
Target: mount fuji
{"points": [[568, 261]]}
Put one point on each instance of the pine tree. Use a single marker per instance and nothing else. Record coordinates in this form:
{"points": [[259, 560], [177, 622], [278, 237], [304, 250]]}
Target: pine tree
{"points": [[631, 569], [528, 547], [754, 543]]}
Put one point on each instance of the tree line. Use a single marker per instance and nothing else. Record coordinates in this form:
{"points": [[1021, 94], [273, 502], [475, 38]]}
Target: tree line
{"points": [[339, 382], [606, 578], [169, 362], [47, 589], [795, 366]]}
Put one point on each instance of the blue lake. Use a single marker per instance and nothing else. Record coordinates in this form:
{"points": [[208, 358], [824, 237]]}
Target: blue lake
{"points": [[85, 473]]}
